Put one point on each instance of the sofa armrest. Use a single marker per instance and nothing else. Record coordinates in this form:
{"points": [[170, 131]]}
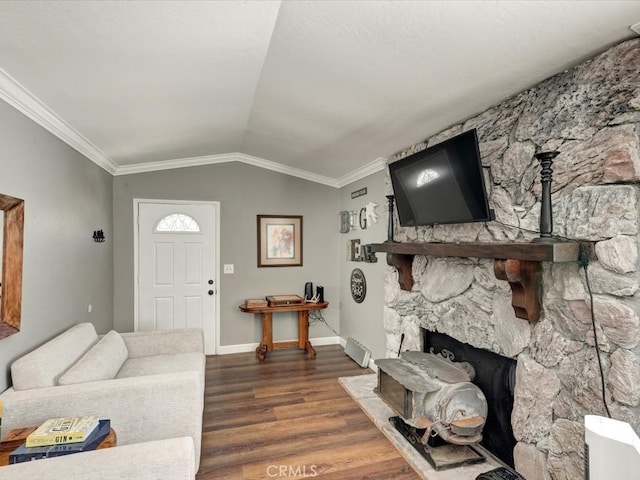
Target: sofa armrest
{"points": [[141, 409], [163, 342], [171, 459]]}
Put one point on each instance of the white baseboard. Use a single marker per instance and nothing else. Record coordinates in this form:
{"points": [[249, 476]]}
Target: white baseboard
{"points": [[250, 347], [316, 342], [240, 348]]}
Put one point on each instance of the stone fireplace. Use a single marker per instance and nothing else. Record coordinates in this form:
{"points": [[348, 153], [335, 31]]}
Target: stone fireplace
{"points": [[591, 114]]}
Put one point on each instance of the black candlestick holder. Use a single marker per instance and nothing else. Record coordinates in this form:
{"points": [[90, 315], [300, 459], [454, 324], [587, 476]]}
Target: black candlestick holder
{"points": [[390, 199], [546, 212]]}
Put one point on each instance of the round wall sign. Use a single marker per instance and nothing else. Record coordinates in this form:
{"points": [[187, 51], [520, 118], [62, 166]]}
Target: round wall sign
{"points": [[358, 285]]}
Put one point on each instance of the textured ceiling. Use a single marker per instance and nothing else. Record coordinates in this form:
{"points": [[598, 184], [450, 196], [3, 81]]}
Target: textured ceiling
{"points": [[324, 87]]}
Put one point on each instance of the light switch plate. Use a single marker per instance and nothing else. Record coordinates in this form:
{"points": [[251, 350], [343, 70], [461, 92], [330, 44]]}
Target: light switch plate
{"points": [[228, 268]]}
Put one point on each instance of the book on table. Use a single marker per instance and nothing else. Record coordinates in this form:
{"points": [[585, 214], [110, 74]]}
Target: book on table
{"points": [[95, 438], [56, 431], [280, 300]]}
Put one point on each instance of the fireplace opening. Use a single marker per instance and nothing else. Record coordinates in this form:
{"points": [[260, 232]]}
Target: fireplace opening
{"points": [[496, 377]]}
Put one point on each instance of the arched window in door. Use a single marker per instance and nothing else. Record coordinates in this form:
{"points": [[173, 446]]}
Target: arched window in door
{"points": [[177, 223]]}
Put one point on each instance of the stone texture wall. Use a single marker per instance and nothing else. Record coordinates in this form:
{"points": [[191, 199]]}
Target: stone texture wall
{"points": [[591, 114]]}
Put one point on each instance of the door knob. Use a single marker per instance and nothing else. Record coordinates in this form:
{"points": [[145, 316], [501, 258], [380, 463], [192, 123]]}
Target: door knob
{"points": [[210, 292], [210, 282]]}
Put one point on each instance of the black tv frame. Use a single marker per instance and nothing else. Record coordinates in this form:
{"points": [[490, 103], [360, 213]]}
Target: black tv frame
{"points": [[458, 152]]}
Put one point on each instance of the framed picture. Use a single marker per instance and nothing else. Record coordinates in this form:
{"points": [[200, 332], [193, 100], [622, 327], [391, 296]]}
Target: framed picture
{"points": [[279, 240]]}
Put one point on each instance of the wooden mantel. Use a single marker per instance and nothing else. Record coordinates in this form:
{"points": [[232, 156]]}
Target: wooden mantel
{"points": [[516, 262]]}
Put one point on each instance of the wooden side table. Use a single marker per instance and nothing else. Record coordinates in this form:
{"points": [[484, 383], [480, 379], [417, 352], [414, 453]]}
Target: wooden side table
{"points": [[17, 437], [266, 315]]}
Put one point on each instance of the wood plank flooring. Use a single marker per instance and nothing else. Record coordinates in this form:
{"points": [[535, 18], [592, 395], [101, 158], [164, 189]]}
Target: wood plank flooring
{"points": [[289, 418]]}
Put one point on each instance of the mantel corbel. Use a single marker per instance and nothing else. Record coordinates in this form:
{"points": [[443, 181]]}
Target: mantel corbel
{"points": [[522, 275], [522, 268], [403, 265]]}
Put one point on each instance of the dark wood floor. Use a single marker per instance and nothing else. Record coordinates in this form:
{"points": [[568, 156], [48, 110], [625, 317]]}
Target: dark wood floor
{"points": [[289, 418]]}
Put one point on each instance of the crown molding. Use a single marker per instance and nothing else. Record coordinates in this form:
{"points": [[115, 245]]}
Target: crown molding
{"points": [[12, 92], [358, 174], [370, 168], [175, 163], [224, 158], [295, 172]]}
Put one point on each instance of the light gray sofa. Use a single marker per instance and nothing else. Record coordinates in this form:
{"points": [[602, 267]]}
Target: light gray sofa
{"points": [[149, 384]]}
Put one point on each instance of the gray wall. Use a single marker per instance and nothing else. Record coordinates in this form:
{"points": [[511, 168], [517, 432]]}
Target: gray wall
{"points": [[363, 321], [243, 191], [66, 198]]}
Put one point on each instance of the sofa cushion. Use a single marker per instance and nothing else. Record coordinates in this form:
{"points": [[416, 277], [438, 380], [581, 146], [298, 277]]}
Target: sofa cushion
{"points": [[157, 364], [42, 367], [163, 342], [101, 362]]}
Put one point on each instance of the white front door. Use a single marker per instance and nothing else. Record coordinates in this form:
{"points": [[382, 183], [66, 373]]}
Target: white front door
{"points": [[177, 272]]}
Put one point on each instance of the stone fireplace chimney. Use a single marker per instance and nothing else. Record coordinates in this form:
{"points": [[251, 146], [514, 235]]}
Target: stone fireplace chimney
{"points": [[591, 115]]}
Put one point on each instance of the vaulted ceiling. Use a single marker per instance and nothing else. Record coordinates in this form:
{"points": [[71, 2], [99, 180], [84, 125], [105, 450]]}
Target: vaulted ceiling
{"points": [[319, 89]]}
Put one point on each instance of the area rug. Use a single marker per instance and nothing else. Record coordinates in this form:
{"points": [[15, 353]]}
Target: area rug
{"points": [[360, 388]]}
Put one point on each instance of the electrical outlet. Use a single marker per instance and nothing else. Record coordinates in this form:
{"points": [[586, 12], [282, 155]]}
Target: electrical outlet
{"points": [[228, 268]]}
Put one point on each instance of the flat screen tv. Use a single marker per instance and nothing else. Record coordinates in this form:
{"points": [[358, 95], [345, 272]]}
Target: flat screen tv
{"points": [[441, 184]]}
